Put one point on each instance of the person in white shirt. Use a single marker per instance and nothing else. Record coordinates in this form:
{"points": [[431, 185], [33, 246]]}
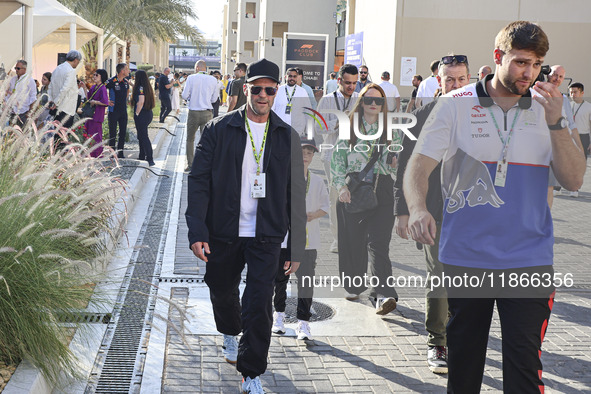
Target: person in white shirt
{"points": [[392, 95], [427, 88], [201, 90], [290, 102], [21, 94], [317, 206], [582, 114], [63, 89], [343, 99]]}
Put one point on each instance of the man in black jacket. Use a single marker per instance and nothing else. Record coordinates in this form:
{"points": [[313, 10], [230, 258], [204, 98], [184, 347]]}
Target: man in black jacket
{"points": [[231, 222], [453, 75]]}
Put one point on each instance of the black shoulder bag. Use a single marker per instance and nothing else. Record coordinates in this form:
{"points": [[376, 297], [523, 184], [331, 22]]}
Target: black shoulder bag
{"points": [[363, 194], [87, 109]]}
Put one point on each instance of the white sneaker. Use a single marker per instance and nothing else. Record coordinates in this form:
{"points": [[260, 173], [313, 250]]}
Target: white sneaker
{"points": [[230, 349], [574, 194], [278, 323], [303, 330], [385, 305], [352, 297], [334, 247], [555, 192], [251, 386]]}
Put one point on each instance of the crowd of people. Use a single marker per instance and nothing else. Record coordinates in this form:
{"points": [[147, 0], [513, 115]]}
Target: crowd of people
{"points": [[434, 190], [252, 198], [62, 98]]}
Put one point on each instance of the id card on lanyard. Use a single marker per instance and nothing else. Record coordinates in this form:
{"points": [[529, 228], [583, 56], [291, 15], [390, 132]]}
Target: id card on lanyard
{"points": [[257, 184], [503, 164]]}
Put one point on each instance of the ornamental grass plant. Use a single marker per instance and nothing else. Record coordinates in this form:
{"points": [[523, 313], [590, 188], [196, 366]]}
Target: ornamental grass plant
{"points": [[56, 207]]}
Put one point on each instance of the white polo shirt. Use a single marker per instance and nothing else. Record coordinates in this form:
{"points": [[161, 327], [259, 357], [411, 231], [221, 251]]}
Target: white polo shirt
{"points": [[486, 226]]}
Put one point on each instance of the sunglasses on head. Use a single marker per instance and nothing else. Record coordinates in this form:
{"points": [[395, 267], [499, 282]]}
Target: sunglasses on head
{"points": [[457, 58], [269, 90], [368, 100]]}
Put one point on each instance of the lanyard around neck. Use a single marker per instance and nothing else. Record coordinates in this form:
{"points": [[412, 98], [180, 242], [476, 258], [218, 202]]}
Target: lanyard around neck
{"points": [[257, 157], [505, 142], [577, 111], [289, 97]]}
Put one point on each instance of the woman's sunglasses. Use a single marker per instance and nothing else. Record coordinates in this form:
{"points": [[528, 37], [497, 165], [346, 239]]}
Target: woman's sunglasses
{"points": [[256, 90], [368, 100]]}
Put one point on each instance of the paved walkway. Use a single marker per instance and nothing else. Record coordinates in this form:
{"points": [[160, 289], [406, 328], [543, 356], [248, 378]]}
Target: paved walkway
{"points": [[356, 350]]}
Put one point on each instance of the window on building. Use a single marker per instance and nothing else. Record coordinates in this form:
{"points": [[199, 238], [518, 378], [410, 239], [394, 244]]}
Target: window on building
{"points": [[279, 28], [251, 9], [234, 27], [249, 46]]}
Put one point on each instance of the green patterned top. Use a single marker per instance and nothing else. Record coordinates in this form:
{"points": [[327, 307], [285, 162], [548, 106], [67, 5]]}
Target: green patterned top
{"points": [[344, 162]]}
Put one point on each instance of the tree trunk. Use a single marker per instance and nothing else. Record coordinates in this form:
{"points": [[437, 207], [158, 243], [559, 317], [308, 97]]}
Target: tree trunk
{"points": [[90, 51], [128, 51]]}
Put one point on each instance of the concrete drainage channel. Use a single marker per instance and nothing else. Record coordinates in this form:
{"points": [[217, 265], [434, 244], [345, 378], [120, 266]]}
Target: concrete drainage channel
{"points": [[125, 325], [120, 361]]}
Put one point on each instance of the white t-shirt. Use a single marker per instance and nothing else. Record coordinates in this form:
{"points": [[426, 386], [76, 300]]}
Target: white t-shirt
{"points": [[582, 114], [248, 205], [299, 99], [316, 198], [391, 94], [427, 90]]}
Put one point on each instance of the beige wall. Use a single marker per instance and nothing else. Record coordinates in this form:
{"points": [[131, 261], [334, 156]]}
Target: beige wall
{"points": [[429, 29], [321, 21], [229, 37], [248, 31], [150, 53]]}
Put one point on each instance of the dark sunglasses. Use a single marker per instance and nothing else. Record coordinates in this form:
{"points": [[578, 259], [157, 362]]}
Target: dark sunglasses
{"points": [[362, 72], [456, 58], [269, 90], [368, 100], [19, 68]]}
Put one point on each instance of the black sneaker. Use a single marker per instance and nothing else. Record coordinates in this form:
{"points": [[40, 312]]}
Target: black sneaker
{"points": [[437, 359]]}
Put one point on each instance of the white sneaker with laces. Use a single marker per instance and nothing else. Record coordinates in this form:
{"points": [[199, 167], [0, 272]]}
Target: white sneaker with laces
{"points": [[278, 323], [574, 194], [251, 386], [385, 305], [303, 330], [230, 349]]}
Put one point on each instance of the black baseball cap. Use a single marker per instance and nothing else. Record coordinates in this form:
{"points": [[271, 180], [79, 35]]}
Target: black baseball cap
{"points": [[262, 69], [311, 143]]}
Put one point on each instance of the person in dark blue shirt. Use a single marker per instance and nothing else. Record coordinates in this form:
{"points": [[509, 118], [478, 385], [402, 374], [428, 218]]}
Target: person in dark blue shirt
{"points": [[164, 86], [118, 88]]}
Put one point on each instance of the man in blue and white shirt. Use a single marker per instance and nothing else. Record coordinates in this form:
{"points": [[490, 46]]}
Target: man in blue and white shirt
{"points": [[497, 139]]}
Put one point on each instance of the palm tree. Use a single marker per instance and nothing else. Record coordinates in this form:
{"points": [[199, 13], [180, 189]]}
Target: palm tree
{"points": [[134, 20]]}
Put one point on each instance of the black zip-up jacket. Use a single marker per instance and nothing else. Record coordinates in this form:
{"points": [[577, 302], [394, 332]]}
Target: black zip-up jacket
{"points": [[214, 185], [434, 197]]}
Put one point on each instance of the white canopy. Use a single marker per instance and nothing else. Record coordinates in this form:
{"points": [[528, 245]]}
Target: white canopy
{"points": [[7, 7], [53, 27]]}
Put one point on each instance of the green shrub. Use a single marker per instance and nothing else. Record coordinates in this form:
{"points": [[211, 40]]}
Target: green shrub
{"points": [[56, 208]]}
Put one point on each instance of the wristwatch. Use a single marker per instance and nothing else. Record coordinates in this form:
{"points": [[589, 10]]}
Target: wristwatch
{"points": [[561, 124]]}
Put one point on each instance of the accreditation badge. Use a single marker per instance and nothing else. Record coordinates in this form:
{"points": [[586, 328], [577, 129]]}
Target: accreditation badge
{"points": [[501, 173], [257, 185]]}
